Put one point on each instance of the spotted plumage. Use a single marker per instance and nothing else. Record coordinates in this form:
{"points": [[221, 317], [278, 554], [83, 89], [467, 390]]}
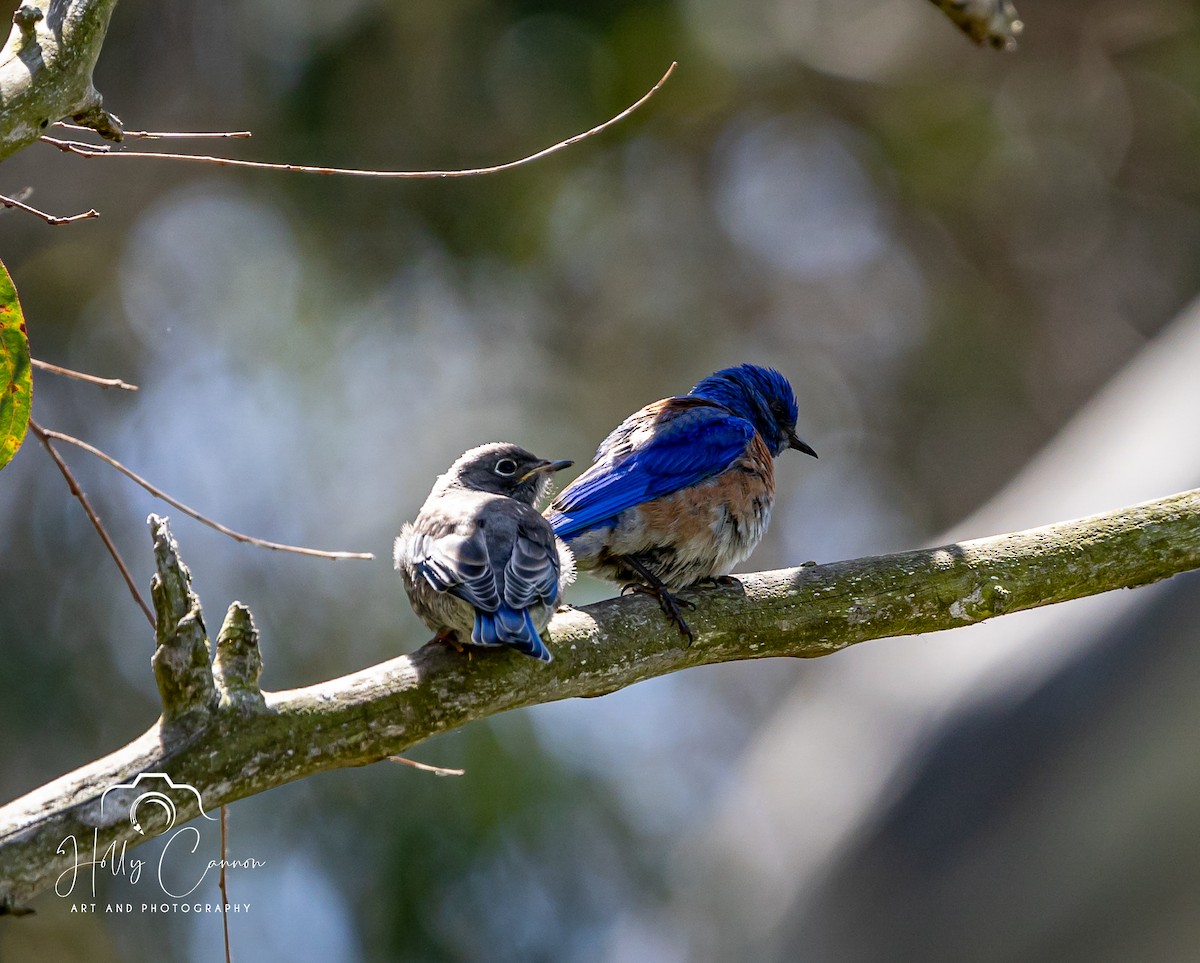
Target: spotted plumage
{"points": [[479, 564]]}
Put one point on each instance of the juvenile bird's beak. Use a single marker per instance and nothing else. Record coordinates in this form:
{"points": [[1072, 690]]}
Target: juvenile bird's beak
{"points": [[798, 445], [549, 467]]}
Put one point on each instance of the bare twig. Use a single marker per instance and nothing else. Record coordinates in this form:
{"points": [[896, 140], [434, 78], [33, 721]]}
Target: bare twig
{"points": [[425, 767], [221, 880], [175, 503], [164, 135], [44, 437], [80, 376], [54, 219], [87, 150]]}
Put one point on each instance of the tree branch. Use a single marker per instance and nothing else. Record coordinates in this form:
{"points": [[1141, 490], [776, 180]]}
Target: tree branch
{"points": [[228, 740], [47, 63], [90, 150], [46, 70], [993, 22]]}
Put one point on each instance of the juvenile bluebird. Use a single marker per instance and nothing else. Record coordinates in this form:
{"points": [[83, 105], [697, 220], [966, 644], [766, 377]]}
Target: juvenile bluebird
{"points": [[479, 562], [682, 490]]}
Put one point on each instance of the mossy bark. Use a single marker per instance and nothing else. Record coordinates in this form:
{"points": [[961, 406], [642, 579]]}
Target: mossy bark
{"points": [[46, 70], [237, 744]]}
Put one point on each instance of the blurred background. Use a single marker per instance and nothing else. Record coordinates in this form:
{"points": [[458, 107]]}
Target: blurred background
{"points": [[974, 267]]}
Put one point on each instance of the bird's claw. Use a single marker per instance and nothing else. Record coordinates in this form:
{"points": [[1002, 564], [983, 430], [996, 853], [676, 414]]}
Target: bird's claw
{"points": [[718, 581], [668, 602], [449, 637]]}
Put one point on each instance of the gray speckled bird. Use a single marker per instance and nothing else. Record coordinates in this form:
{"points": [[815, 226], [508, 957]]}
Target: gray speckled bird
{"points": [[479, 560]]}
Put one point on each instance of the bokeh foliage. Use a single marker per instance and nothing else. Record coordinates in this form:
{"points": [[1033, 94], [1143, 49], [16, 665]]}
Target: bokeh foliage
{"points": [[947, 249]]}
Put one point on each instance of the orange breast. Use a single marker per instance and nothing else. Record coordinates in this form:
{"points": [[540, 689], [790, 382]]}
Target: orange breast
{"points": [[704, 530]]}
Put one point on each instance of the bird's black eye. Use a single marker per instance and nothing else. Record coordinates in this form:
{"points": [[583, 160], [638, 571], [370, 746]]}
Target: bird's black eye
{"points": [[506, 467]]}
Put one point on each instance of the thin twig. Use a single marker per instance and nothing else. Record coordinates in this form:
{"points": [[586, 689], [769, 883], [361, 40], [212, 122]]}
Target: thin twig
{"points": [[54, 219], [87, 150], [165, 134], [80, 376], [425, 767], [44, 437], [221, 881], [175, 503]]}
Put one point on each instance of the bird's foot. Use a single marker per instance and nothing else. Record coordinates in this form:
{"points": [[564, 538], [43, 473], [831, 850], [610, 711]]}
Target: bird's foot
{"points": [[717, 581], [668, 602], [448, 637]]}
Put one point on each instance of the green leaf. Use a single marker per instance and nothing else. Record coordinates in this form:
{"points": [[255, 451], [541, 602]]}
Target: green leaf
{"points": [[16, 377]]}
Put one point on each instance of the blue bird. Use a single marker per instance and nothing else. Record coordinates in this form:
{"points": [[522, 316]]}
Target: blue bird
{"points": [[682, 490], [479, 563]]}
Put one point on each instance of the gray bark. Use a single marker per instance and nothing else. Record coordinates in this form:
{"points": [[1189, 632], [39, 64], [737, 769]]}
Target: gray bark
{"points": [[46, 70], [221, 735]]}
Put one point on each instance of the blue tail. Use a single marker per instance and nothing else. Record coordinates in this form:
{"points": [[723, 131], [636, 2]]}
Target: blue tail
{"points": [[510, 627]]}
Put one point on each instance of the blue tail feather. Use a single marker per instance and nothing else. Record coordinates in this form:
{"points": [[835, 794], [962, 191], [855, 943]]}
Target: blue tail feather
{"points": [[511, 627]]}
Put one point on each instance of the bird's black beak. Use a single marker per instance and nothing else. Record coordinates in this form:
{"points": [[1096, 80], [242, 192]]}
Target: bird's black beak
{"points": [[798, 445], [549, 467]]}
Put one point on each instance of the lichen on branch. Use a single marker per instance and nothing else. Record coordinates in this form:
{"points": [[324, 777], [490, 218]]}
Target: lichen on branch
{"points": [[241, 741], [46, 70]]}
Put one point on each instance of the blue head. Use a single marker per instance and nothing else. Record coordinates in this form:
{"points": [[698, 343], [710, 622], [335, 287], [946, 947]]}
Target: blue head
{"points": [[763, 397]]}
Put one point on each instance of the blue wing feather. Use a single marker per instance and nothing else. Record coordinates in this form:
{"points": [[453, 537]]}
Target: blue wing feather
{"points": [[462, 566], [533, 571], [687, 445]]}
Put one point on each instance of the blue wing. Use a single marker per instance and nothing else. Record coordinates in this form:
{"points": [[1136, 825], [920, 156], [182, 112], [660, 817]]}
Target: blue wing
{"points": [[533, 571], [459, 565], [659, 450], [502, 597]]}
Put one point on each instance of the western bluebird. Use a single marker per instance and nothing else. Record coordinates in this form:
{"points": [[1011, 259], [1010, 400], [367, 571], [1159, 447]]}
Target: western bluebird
{"points": [[682, 490], [479, 559]]}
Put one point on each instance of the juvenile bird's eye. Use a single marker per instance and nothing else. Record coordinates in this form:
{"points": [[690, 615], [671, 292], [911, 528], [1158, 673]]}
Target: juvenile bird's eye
{"points": [[506, 467]]}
